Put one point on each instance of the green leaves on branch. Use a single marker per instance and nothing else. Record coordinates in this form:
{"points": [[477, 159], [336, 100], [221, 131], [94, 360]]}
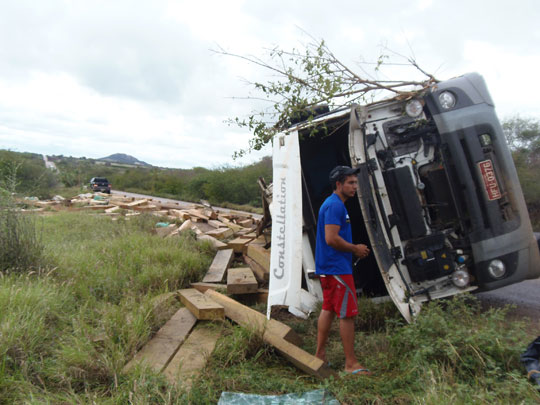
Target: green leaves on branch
{"points": [[309, 77]]}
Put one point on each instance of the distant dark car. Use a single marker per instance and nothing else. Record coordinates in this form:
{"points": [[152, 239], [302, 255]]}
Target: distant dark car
{"points": [[100, 184]]}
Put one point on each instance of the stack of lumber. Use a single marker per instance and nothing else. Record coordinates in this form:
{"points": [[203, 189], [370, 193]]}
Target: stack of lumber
{"points": [[235, 272], [222, 228], [181, 348]]}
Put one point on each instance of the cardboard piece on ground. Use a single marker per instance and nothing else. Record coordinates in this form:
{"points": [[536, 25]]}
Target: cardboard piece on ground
{"points": [[261, 274], [260, 255], [200, 305], [240, 280], [220, 264], [162, 347], [246, 316], [192, 356]]}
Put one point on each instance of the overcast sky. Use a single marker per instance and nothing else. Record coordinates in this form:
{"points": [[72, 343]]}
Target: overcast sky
{"points": [[91, 77]]}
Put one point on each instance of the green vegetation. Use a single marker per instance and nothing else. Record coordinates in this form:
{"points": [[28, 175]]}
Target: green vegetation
{"points": [[20, 241], [523, 135], [67, 330], [234, 185], [26, 173]]}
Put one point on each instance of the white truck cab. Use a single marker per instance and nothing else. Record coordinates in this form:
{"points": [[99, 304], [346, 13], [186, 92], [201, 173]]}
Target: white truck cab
{"points": [[439, 202]]}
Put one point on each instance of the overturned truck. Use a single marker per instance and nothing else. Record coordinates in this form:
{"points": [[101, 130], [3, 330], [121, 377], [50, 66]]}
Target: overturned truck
{"points": [[439, 202]]}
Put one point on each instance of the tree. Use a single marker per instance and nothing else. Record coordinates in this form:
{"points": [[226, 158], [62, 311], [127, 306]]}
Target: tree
{"points": [[309, 77], [523, 137]]}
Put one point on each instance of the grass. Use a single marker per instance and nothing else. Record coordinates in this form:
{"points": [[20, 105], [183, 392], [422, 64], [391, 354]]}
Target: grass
{"points": [[68, 328]]}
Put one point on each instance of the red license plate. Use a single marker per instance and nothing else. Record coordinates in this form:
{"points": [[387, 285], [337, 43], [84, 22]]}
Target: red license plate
{"points": [[490, 181]]}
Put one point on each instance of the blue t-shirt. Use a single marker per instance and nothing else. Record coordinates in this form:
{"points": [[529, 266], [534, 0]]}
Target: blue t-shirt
{"points": [[327, 259]]}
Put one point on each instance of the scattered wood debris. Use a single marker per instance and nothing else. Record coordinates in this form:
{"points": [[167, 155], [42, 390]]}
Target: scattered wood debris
{"points": [[181, 347]]}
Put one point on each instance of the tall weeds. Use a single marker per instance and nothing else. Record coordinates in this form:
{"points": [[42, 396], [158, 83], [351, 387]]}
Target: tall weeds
{"points": [[21, 247]]}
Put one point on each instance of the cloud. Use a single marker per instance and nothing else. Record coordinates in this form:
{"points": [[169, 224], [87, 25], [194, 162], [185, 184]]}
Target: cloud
{"points": [[138, 77]]}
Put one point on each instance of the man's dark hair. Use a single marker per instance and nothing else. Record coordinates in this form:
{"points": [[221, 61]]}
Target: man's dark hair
{"points": [[340, 173]]}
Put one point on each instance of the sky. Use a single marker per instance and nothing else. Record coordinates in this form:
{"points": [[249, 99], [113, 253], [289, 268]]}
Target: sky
{"points": [[92, 78]]}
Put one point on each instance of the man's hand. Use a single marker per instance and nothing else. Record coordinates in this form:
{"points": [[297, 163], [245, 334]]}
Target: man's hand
{"points": [[337, 242], [361, 250]]}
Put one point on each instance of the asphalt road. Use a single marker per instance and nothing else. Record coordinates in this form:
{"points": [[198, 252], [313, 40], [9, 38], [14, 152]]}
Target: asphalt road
{"points": [[525, 296]]}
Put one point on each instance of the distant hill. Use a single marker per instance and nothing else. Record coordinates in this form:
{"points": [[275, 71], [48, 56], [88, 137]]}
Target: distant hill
{"points": [[124, 159]]}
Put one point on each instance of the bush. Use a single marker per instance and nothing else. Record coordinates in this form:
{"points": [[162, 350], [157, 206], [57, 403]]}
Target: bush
{"points": [[21, 248]]}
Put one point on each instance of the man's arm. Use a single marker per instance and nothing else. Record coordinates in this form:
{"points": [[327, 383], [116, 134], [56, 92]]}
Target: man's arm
{"points": [[331, 235]]}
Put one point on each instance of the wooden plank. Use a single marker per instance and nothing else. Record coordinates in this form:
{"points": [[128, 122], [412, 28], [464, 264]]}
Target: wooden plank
{"points": [[249, 235], [234, 227], [112, 209], [240, 280], [250, 318], [216, 224], [262, 295], [220, 233], [274, 334], [186, 225], [260, 255], [261, 240], [144, 208], [210, 213], [162, 347], [137, 203], [238, 244], [200, 305], [165, 230], [220, 264], [197, 214], [204, 227], [261, 274], [246, 223], [97, 207], [202, 287], [299, 357], [182, 214], [192, 356], [216, 243]]}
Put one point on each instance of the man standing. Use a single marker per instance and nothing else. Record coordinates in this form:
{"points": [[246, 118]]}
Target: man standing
{"points": [[333, 262]]}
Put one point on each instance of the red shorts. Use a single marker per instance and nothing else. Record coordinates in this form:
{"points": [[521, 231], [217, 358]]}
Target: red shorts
{"points": [[339, 295]]}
